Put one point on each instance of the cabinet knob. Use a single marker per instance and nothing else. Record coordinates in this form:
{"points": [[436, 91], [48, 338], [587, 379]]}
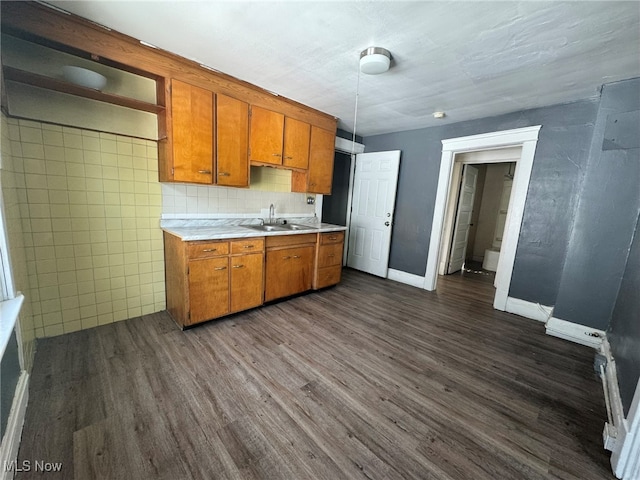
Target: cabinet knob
{"points": [[205, 172], [220, 268], [238, 266], [224, 174]]}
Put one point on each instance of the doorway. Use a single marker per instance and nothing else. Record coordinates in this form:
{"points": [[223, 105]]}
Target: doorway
{"points": [[450, 172], [480, 217]]}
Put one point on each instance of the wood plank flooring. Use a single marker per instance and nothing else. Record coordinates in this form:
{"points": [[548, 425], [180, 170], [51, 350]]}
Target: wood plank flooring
{"points": [[371, 379]]}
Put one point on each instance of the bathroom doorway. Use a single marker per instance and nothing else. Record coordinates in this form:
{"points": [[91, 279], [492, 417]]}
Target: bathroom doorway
{"points": [[481, 211]]}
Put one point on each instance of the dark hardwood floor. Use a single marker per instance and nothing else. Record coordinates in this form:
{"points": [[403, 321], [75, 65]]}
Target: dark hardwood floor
{"points": [[370, 379]]}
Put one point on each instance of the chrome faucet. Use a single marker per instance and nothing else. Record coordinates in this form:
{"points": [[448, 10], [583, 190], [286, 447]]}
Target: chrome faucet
{"points": [[272, 211]]}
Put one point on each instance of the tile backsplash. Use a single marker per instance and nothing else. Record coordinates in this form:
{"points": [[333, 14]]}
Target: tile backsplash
{"points": [[268, 185], [90, 205]]}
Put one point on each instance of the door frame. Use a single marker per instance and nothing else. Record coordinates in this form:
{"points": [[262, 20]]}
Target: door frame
{"points": [[351, 148], [527, 138], [482, 157]]}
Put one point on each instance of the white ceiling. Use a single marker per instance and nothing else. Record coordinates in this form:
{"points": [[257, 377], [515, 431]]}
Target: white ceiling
{"points": [[469, 59]]}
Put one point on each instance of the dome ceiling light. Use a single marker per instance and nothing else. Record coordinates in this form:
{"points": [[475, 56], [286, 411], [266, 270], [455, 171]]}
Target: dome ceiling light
{"points": [[375, 60]]}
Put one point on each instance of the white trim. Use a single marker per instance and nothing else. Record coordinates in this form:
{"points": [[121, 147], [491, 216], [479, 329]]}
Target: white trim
{"points": [[13, 433], [347, 146], [9, 311], [527, 138], [404, 277], [574, 332], [318, 204], [535, 311], [625, 445]]}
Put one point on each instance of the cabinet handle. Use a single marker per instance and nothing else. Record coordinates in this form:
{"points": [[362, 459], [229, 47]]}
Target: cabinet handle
{"points": [[205, 172], [296, 256], [331, 255], [333, 238], [210, 250], [276, 154], [249, 246], [312, 184], [224, 174], [238, 266], [220, 268], [288, 158], [286, 258]]}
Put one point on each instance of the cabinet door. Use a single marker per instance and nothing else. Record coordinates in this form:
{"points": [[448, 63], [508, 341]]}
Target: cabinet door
{"points": [[247, 272], [302, 271], [193, 142], [321, 153], [278, 264], [208, 289], [296, 143], [232, 128], [266, 136], [289, 272]]}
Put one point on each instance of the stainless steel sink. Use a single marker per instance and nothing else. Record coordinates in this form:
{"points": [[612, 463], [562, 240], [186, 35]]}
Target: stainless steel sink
{"points": [[296, 226], [279, 227], [267, 228]]}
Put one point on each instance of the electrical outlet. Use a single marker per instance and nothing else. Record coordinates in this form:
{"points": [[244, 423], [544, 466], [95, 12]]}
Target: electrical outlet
{"points": [[311, 200]]}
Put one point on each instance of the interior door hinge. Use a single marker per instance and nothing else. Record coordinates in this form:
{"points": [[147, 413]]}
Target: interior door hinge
{"points": [[173, 171]]}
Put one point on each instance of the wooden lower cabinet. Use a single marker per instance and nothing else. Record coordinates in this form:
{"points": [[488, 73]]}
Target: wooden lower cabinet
{"points": [[289, 265], [247, 275], [211, 279], [208, 289], [328, 259], [289, 271]]}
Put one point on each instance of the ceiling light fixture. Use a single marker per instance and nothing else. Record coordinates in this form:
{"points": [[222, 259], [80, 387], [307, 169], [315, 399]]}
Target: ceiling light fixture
{"points": [[375, 60]]}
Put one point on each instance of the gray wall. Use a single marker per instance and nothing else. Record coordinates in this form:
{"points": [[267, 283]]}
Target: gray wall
{"points": [[607, 211], [558, 171], [624, 331]]}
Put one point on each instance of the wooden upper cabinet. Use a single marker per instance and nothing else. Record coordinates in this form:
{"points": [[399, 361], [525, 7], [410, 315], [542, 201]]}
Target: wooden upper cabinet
{"points": [[232, 132], [296, 143], [321, 154], [266, 136], [193, 133]]}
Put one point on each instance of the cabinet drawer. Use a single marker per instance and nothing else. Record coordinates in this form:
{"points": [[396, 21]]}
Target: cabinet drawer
{"points": [[250, 245], [330, 255], [207, 249], [331, 237], [328, 276], [286, 240]]}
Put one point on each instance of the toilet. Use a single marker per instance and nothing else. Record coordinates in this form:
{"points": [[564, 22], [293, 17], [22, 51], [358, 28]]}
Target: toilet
{"points": [[490, 261]]}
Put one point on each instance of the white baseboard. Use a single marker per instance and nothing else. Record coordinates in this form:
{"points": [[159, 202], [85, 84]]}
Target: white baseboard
{"points": [[404, 277], [535, 311], [574, 332], [13, 433], [625, 443]]}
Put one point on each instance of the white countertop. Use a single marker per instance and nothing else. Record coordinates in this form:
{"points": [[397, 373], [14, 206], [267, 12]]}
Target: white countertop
{"points": [[221, 232]]}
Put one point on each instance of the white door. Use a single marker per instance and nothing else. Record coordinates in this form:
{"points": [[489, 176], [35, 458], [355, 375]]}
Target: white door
{"points": [[463, 218], [374, 195]]}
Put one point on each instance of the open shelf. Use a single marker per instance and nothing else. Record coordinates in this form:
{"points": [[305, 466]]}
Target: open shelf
{"points": [[29, 78]]}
